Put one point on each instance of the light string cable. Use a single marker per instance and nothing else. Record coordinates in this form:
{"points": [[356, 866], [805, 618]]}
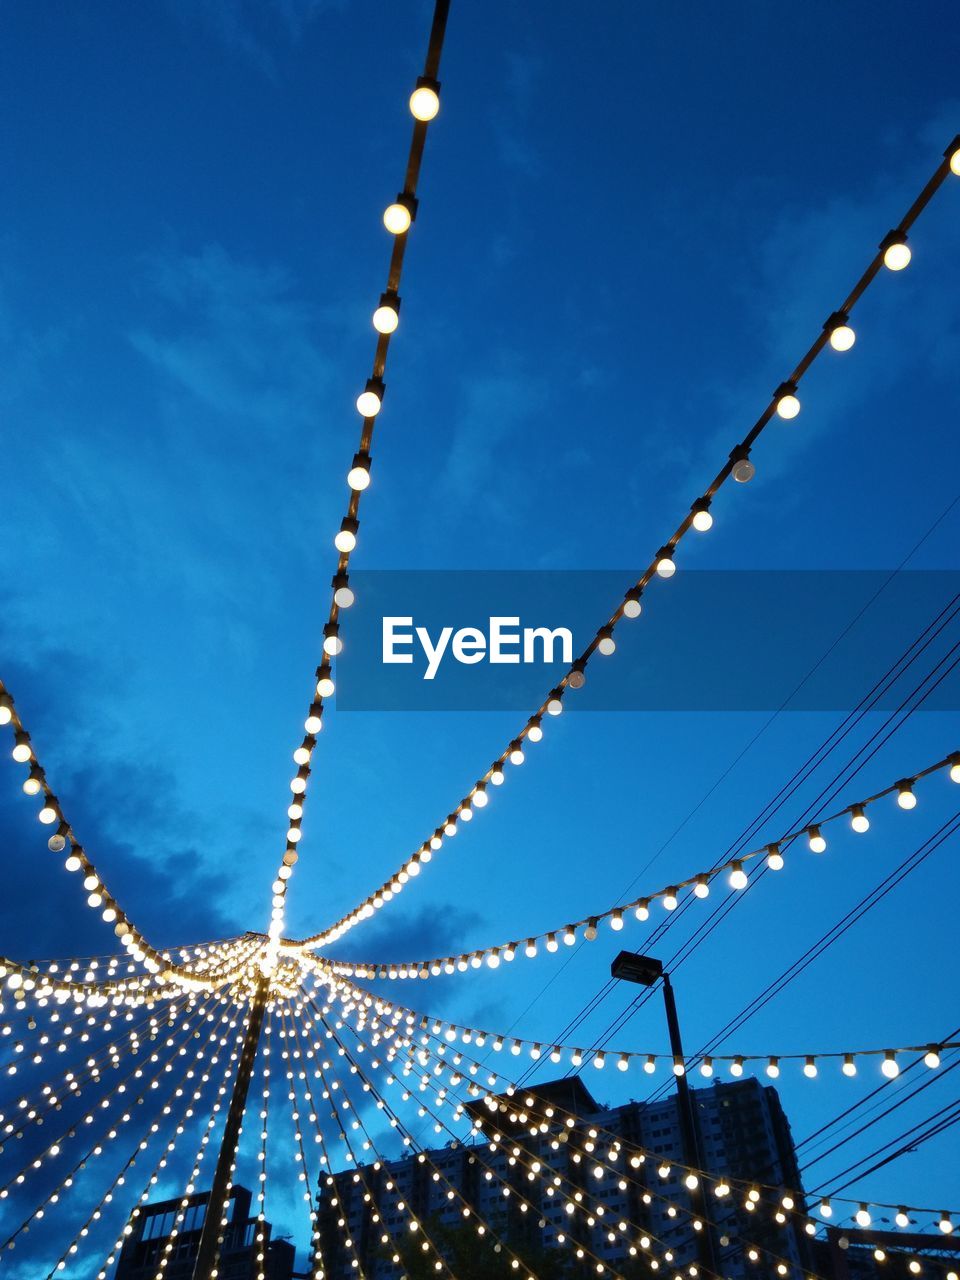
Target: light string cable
{"points": [[358, 1009], [535, 1167], [236, 1058], [99, 897], [417, 1227], [843, 776], [669, 896], [894, 253], [261, 1254], [229, 1018], [103, 1104], [801, 775], [398, 218], [100, 1143], [168, 1108], [73, 1082]]}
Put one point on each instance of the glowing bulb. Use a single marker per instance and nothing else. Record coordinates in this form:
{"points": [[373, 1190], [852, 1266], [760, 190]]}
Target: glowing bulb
{"points": [[701, 888], [6, 709], [826, 1209], [816, 841], [706, 1067], [48, 814], [606, 644], [32, 786], [516, 756], [301, 755], [616, 921], [424, 103], [773, 1068], [313, 724], [810, 1069], [22, 752], [849, 1067], [905, 797], [890, 1066], [702, 519], [858, 819], [738, 877], [774, 858], [955, 162], [665, 566], [632, 608], [480, 797], [343, 597], [358, 477], [325, 687], [788, 406], [369, 402], [863, 1216], [691, 1181], [842, 337], [736, 1067], [535, 733], [945, 1225], [955, 769], [73, 863], [897, 254], [332, 645], [387, 315], [346, 539], [554, 707], [931, 1058], [397, 219], [642, 910], [903, 1218], [670, 900]]}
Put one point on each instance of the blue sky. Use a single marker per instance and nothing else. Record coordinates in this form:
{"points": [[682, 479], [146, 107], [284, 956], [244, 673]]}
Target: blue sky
{"points": [[629, 230]]}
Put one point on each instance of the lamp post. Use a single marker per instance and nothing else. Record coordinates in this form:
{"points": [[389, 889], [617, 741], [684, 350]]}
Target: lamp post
{"points": [[645, 972]]}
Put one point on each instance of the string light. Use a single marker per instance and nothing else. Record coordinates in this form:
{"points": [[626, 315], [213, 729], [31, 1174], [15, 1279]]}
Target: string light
{"points": [[896, 251], [785, 397]]}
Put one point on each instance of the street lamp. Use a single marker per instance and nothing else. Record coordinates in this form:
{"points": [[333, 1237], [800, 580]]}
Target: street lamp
{"points": [[645, 971]]}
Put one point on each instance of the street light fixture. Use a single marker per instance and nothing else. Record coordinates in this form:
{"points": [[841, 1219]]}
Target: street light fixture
{"points": [[645, 971]]}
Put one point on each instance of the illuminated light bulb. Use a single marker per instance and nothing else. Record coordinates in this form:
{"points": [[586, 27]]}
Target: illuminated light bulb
{"points": [[863, 1216], [425, 100], [810, 1068], [773, 1068], [945, 1224], [398, 216], [293, 835], [736, 1067], [370, 399], [436, 841], [606, 643], [599, 1062], [554, 705], [298, 786], [691, 1181], [701, 888], [6, 708], [679, 1067], [774, 857], [57, 843], [702, 519], [890, 1067], [358, 477], [48, 813], [826, 1209], [931, 1058], [905, 796], [955, 160], [21, 750], [815, 840], [859, 820], [497, 775], [738, 877], [623, 1062], [788, 405], [849, 1067], [302, 755], [552, 944], [903, 1218], [632, 608], [896, 251], [665, 563], [642, 910], [530, 950], [325, 686], [670, 899], [387, 315], [721, 1189], [73, 863], [955, 768], [534, 732], [516, 754], [664, 1170], [616, 921], [32, 786], [480, 799], [343, 596], [313, 723], [706, 1067], [569, 936], [346, 539]]}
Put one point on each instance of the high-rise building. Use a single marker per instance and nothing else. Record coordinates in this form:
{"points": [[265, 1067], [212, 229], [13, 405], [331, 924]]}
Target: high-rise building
{"points": [[743, 1134], [147, 1244]]}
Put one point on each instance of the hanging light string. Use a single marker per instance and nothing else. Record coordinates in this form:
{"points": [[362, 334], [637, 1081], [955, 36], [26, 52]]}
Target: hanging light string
{"points": [[127, 1229], [119, 1180], [73, 1082], [415, 1223], [722, 1182], [264, 1127], [669, 897], [893, 253], [398, 218], [96, 1149], [537, 1168], [107, 1101]]}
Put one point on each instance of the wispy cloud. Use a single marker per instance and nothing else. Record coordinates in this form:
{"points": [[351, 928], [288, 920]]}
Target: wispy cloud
{"points": [[258, 33]]}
